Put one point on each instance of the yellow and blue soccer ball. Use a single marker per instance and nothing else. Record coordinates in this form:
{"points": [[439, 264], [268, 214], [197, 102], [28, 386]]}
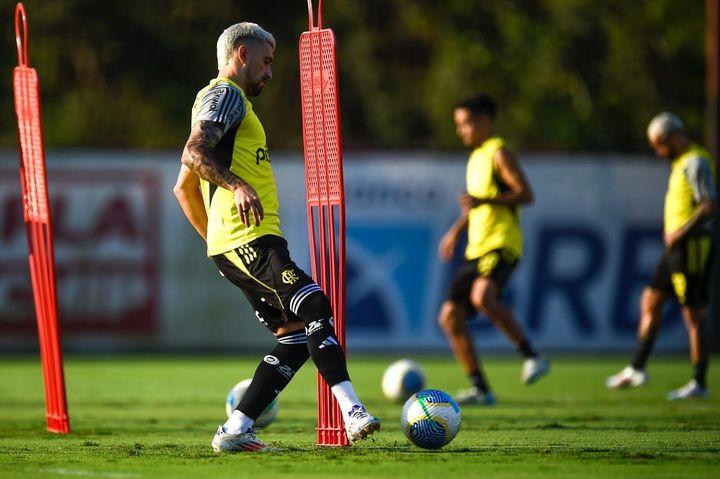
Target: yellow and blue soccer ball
{"points": [[431, 419], [236, 394]]}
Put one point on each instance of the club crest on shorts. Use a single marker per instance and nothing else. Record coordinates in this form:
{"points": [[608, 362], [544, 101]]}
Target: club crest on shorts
{"points": [[289, 276]]}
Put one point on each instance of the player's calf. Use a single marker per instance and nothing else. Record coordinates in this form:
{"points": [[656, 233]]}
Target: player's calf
{"points": [[271, 376], [329, 358]]}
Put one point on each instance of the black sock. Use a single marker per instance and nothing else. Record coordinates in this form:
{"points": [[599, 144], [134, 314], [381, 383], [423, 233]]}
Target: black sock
{"points": [[274, 373], [478, 380], [323, 345], [526, 350], [701, 372], [645, 347]]}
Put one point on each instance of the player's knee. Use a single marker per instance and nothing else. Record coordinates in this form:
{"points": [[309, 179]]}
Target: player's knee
{"points": [[651, 301], [451, 314], [484, 295], [694, 318], [483, 299], [315, 308]]}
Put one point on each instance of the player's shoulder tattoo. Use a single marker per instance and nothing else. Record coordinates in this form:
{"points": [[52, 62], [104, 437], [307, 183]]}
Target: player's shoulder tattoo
{"points": [[206, 132]]}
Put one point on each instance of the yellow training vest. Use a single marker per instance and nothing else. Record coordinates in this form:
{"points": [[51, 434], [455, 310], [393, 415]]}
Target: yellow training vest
{"points": [[243, 150], [680, 203], [490, 227]]}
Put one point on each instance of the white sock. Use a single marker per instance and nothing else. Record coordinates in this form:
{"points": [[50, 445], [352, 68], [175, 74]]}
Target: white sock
{"points": [[238, 423], [346, 397]]}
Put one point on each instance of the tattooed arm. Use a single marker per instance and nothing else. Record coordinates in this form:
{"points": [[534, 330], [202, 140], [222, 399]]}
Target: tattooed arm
{"points": [[198, 156]]}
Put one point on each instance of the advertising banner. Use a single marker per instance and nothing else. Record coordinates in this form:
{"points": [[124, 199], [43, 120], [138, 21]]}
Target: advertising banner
{"points": [[133, 274]]}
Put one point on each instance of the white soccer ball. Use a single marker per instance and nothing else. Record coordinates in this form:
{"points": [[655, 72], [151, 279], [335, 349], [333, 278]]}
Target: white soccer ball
{"points": [[430, 419], [236, 394], [402, 379]]}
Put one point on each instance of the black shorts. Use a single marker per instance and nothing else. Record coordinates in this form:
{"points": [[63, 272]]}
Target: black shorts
{"points": [[497, 265], [269, 279], [684, 271]]}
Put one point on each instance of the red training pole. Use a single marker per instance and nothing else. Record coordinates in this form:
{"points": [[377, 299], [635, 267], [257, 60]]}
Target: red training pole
{"points": [[38, 227], [325, 194]]}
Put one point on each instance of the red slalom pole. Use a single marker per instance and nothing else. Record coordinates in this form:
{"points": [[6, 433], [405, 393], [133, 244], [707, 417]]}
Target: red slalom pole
{"points": [[38, 227], [325, 194]]}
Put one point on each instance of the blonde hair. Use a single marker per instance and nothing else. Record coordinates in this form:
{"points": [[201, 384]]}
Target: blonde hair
{"points": [[235, 35], [663, 124]]}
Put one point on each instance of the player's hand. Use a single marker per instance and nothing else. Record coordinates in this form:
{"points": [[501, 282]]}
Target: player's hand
{"points": [[670, 239], [248, 204], [468, 202], [447, 245]]}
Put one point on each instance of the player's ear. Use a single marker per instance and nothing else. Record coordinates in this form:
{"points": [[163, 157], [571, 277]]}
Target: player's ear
{"points": [[242, 54]]}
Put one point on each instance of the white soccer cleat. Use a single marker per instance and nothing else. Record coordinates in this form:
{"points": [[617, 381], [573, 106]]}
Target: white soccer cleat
{"points": [[533, 369], [244, 442], [359, 424], [689, 391], [473, 395], [629, 377]]}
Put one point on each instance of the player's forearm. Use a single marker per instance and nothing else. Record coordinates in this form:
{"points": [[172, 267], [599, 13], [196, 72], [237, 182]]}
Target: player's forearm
{"points": [[703, 210], [510, 198], [191, 203], [459, 225], [187, 192], [199, 159]]}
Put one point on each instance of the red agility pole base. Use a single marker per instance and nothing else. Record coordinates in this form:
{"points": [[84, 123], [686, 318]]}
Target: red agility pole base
{"points": [[38, 225], [325, 195]]}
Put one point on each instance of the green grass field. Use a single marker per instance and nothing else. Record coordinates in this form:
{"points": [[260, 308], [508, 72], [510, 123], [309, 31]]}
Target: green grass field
{"points": [[154, 418]]}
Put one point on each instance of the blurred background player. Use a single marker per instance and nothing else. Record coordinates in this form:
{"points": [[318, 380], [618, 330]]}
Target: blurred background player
{"points": [[683, 272], [490, 211], [227, 191]]}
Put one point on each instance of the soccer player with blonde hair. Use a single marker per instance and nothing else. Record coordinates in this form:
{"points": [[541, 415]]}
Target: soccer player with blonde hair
{"points": [[226, 188], [683, 272]]}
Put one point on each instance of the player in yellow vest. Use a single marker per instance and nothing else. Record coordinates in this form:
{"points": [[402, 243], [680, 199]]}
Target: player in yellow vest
{"points": [[683, 272], [490, 211], [227, 191]]}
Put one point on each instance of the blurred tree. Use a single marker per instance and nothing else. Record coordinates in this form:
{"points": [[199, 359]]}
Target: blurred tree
{"points": [[569, 74]]}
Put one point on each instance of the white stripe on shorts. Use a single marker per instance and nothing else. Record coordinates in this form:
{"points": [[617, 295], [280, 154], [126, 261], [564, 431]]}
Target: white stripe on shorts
{"points": [[300, 296]]}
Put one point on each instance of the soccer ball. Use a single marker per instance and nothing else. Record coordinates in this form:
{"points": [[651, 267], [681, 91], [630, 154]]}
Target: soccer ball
{"points": [[236, 394], [430, 419], [402, 379]]}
